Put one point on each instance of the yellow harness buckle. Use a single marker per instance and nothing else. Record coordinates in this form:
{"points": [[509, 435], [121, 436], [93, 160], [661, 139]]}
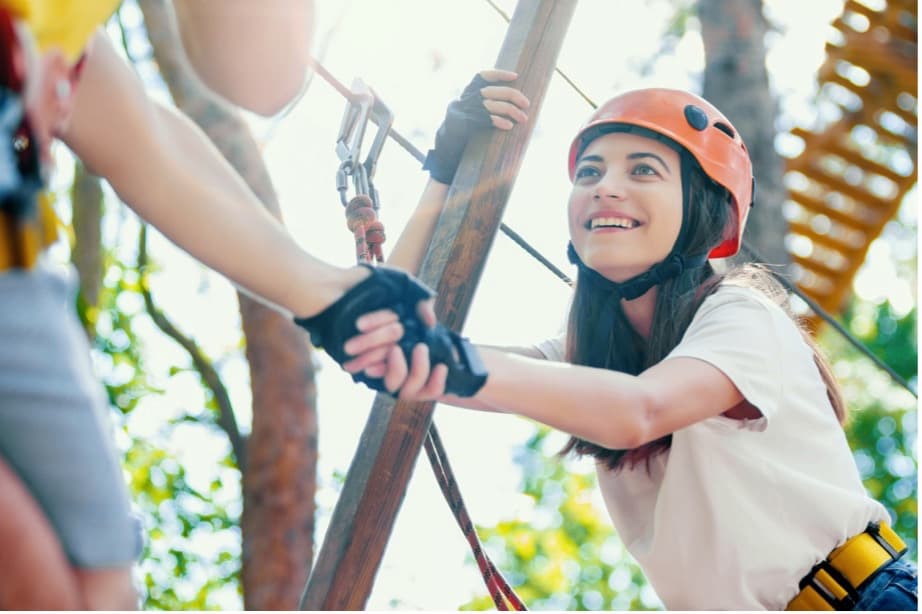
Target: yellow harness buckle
{"points": [[22, 240], [833, 584]]}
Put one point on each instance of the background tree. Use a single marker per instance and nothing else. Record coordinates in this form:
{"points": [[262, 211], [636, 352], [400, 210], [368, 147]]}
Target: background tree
{"points": [[736, 81], [279, 479]]}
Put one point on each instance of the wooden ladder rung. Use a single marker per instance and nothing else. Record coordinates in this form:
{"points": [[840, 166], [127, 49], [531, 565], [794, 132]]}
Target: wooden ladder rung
{"points": [[817, 207], [825, 239], [889, 18], [891, 61], [855, 192], [875, 58], [818, 266], [846, 153], [876, 106]]}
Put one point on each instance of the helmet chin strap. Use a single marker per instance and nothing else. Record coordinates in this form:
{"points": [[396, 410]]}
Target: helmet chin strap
{"points": [[672, 266]]}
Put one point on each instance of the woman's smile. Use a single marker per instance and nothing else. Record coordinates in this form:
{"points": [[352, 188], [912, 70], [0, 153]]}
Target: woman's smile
{"points": [[610, 222]]}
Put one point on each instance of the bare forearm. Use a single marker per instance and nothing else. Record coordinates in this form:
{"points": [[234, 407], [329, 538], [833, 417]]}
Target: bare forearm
{"points": [[208, 210], [167, 170], [602, 406], [411, 247]]}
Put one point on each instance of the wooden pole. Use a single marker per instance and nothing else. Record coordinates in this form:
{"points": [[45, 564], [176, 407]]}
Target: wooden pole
{"points": [[362, 521]]}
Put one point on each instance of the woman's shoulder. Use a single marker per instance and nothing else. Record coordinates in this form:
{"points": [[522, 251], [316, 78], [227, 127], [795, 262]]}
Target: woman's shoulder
{"points": [[751, 285], [730, 294], [740, 305]]}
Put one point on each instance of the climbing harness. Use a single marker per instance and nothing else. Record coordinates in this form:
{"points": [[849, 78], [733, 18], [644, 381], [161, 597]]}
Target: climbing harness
{"points": [[362, 220], [27, 221], [834, 582], [362, 208]]}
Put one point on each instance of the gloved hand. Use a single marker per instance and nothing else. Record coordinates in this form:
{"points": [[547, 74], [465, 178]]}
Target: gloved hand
{"points": [[466, 373], [392, 289], [477, 109]]}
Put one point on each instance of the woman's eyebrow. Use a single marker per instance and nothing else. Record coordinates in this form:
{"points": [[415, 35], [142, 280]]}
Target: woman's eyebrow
{"points": [[590, 158], [647, 154]]}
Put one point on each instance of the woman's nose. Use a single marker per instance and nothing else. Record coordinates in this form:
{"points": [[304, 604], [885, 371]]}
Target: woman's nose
{"points": [[608, 187]]}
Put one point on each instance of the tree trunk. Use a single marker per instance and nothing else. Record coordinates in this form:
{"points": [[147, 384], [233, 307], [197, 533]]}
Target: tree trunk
{"points": [[736, 82], [280, 480], [87, 207]]}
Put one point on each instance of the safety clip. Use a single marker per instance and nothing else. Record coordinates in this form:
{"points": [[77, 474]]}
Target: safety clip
{"points": [[362, 107]]}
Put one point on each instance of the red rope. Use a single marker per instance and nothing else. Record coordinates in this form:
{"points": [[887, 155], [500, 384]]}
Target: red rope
{"points": [[502, 594], [362, 220]]}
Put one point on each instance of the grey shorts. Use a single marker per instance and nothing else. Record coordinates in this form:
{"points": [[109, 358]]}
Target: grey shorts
{"points": [[55, 429]]}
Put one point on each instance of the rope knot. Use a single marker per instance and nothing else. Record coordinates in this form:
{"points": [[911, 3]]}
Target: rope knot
{"points": [[362, 220]]}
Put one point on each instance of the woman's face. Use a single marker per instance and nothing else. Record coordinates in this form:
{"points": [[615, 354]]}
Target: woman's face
{"points": [[625, 209]]}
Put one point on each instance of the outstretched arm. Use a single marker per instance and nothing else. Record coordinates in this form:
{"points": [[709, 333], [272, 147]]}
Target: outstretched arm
{"points": [[168, 171], [254, 54], [614, 410]]}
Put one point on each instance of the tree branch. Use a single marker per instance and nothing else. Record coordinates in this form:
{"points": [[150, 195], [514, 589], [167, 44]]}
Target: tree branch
{"points": [[209, 374]]}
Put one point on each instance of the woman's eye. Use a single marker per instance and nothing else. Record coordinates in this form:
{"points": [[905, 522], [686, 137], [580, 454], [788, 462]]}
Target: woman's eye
{"points": [[644, 169], [586, 171]]}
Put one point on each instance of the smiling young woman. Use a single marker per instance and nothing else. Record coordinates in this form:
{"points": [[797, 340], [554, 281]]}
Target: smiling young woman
{"points": [[713, 418]]}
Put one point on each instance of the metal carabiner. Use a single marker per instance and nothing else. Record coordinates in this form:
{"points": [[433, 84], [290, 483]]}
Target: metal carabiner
{"points": [[362, 107]]}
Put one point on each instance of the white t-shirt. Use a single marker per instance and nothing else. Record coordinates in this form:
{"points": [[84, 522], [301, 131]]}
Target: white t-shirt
{"points": [[738, 511]]}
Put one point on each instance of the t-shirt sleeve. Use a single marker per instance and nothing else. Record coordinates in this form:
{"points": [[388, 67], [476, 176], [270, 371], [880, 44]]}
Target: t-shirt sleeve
{"points": [[553, 348], [743, 335]]}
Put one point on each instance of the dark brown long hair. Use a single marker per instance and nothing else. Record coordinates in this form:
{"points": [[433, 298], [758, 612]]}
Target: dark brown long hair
{"points": [[677, 300]]}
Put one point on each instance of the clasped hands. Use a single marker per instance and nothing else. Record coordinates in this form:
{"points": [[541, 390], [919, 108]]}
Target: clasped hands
{"points": [[383, 331]]}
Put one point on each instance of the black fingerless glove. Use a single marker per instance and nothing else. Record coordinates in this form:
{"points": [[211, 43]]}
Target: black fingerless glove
{"points": [[465, 116], [391, 289], [466, 373]]}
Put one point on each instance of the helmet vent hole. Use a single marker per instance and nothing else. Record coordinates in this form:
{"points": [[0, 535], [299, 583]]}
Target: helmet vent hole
{"points": [[725, 129]]}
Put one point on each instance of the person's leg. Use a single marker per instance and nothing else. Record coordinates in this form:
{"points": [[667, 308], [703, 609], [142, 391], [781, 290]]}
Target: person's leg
{"points": [[107, 589], [895, 588], [34, 571], [56, 435]]}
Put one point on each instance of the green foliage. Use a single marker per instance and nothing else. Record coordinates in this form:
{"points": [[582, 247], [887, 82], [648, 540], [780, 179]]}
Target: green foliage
{"points": [[191, 554], [566, 555], [882, 428]]}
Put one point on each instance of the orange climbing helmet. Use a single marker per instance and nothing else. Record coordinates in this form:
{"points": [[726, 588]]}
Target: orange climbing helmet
{"points": [[696, 125]]}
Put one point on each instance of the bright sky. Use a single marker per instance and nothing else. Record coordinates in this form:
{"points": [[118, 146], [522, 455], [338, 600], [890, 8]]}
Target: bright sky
{"points": [[417, 55]]}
